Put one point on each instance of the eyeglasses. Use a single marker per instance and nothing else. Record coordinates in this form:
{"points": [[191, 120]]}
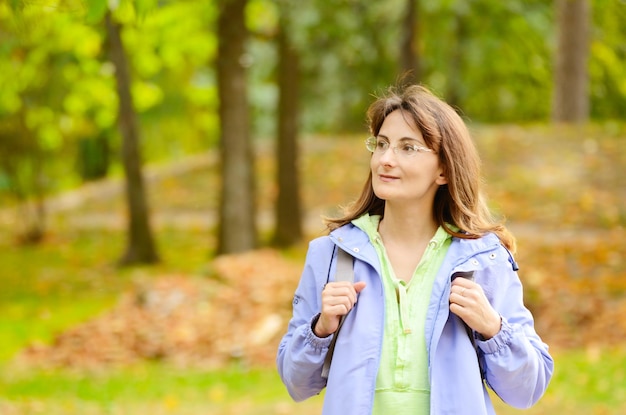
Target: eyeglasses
{"points": [[379, 146]]}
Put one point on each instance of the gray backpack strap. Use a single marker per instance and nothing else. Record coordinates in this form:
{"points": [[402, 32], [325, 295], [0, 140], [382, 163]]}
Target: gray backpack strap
{"points": [[345, 272]]}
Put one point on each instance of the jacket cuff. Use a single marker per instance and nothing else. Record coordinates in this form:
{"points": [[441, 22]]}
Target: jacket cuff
{"points": [[314, 341], [499, 341]]}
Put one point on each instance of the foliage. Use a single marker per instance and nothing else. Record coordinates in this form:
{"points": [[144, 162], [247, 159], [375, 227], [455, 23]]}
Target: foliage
{"points": [[504, 57], [493, 58], [608, 55], [35, 108], [58, 83], [165, 319]]}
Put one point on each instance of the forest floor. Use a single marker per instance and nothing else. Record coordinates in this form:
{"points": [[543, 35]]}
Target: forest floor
{"points": [[561, 189]]}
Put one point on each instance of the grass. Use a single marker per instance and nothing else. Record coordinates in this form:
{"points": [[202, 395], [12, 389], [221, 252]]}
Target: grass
{"points": [[585, 382], [154, 389], [564, 178], [72, 277]]}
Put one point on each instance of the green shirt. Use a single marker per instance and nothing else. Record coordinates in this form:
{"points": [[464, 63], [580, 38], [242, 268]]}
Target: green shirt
{"points": [[402, 385]]}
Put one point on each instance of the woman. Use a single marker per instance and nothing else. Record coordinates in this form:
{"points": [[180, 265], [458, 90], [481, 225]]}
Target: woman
{"points": [[419, 340]]}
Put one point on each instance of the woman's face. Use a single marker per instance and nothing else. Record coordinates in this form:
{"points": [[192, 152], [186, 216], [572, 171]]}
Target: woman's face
{"points": [[398, 177]]}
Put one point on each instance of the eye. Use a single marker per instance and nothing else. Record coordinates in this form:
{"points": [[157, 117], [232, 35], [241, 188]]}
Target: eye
{"points": [[382, 144], [409, 148]]}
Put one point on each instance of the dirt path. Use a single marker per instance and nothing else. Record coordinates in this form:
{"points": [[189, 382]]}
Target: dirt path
{"points": [[69, 206]]}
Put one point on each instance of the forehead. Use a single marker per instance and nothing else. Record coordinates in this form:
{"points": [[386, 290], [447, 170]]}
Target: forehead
{"points": [[398, 125]]}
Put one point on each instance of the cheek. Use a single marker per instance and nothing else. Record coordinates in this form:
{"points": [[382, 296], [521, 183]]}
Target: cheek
{"points": [[426, 172]]}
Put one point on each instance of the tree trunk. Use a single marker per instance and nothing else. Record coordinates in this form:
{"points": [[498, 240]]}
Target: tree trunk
{"points": [[454, 84], [140, 245], [23, 163], [288, 211], [237, 228], [570, 102], [409, 54], [31, 210]]}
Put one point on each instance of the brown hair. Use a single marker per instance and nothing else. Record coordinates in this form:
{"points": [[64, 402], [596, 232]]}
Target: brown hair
{"points": [[460, 202]]}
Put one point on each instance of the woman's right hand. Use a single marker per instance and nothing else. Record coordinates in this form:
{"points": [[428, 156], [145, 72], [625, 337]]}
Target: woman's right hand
{"points": [[338, 298]]}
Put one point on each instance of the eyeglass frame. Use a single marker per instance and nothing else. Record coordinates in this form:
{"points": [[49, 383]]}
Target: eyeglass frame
{"points": [[374, 141]]}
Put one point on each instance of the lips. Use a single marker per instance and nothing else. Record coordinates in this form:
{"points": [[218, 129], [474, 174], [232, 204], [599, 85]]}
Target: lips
{"points": [[386, 178]]}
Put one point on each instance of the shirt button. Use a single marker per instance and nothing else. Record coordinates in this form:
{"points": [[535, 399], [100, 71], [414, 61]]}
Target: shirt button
{"points": [[474, 262], [492, 256], [355, 249]]}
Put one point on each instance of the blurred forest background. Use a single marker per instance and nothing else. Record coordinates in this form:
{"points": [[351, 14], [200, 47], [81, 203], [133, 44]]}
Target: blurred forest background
{"points": [[164, 163]]}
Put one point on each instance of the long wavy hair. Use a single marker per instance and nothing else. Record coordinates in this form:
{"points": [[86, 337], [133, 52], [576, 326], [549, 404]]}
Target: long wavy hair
{"points": [[461, 201]]}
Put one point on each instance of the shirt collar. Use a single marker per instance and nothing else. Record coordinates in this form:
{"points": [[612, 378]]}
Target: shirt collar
{"points": [[369, 224]]}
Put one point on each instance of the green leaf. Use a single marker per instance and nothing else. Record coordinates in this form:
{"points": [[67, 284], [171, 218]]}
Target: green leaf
{"points": [[143, 7], [96, 9], [15, 5]]}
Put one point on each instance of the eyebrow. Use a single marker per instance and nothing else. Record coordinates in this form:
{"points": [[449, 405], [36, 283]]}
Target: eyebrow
{"points": [[403, 139]]}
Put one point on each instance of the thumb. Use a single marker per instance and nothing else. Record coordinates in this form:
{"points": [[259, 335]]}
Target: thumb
{"points": [[358, 286]]}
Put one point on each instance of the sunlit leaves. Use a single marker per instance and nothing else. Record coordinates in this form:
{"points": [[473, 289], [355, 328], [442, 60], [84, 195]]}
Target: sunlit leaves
{"points": [[53, 61], [50, 137], [146, 64], [87, 42], [180, 45], [42, 120], [146, 95], [262, 16], [96, 10], [607, 70]]}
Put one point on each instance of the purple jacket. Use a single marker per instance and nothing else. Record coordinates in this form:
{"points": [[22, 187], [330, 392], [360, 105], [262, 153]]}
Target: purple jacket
{"points": [[516, 363]]}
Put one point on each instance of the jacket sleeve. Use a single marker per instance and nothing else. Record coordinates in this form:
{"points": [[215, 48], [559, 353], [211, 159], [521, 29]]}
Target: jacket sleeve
{"points": [[516, 362], [301, 353]]}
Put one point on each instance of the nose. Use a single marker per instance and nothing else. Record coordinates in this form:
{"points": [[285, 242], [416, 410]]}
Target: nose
{"points": [[389, 156]]}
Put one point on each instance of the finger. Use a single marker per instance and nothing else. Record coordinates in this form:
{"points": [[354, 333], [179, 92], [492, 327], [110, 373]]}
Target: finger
{"points": [[462, 282], [339, 291], [463, 297], [456, 309], [337, 285], [359, 286], [456, 298], [336, 310], [457, 293], [343, 296], [342, 300], [349, 292]]}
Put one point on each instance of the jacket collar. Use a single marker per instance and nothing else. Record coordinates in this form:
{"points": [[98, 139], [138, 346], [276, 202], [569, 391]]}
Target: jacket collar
{"points": [[353, 240]]}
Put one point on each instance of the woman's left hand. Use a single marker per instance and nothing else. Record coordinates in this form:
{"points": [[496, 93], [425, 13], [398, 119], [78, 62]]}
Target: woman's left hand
{"points": [[468, 301]]}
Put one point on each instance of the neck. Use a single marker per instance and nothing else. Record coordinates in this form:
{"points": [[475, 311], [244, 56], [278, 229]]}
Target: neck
{"points": [[406, 225]]}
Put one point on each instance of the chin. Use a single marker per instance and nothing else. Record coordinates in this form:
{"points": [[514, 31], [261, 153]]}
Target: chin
{"points": [[383, 196]]}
